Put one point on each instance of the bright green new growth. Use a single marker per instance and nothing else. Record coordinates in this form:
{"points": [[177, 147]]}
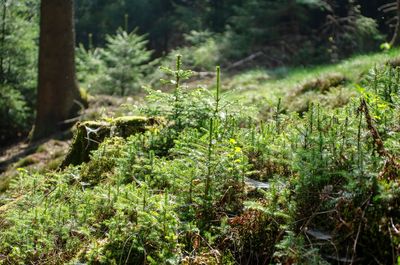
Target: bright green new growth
{"points": [[117, 68], [176, 194], [212, 141]]}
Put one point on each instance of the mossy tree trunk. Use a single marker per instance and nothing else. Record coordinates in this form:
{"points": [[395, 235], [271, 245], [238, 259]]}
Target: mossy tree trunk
{"points": [[58, 94]]}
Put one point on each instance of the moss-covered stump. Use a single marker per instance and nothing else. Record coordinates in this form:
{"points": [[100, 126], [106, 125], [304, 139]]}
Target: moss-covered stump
{"points": [[322, 84], [326, 90], [393, 62], [90, 134]]}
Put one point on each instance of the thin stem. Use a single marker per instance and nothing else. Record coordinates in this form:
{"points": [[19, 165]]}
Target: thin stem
{"points": [[90, 39], [177, 72], [277, 121], [177, 85], [126, 18], [217, 99], [210, 143]]}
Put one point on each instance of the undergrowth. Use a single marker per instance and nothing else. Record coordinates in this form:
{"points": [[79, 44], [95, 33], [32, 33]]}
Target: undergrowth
{"points": [[180, 194]]}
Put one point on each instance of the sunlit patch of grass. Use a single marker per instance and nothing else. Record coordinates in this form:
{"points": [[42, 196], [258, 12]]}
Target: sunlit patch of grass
{"points": [[264, 87]]}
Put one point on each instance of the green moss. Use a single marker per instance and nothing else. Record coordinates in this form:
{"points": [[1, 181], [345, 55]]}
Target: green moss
{"points": [[41, 148], [135, 201], [84, 96], [4, 183], [128, 125], [322, 84], [54, 163], [278, 81], [26, 162], [102, 160], [394, 62], [327, 90]]}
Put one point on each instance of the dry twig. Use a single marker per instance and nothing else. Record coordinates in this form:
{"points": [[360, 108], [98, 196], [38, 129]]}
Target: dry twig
{"points": [[391, 166]]}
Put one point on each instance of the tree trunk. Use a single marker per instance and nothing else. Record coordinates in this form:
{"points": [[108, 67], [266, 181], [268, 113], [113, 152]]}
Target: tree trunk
{"points": [[3, 40], [396, 36], [58, 94]]}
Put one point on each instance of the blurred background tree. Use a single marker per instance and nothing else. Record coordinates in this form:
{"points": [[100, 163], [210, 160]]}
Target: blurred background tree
{"points": [[291, 29], [18, 67], [58, 95]]}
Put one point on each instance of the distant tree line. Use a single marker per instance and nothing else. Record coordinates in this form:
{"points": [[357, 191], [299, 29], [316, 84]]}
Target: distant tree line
{"points": [[304, 26]]}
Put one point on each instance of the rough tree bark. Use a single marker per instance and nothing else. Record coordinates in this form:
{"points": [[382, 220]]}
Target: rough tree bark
{"points": [[3, 39], [58, 93], [396, 36]]}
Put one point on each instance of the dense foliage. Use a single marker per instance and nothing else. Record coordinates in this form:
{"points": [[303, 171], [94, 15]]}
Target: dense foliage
{"points": [[119, 68], [290, 31], [18, 67], [270, 168], [180, 193]]}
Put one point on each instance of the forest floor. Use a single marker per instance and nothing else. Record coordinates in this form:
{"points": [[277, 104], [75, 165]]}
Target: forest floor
{"points": [[46, 154], [180, 186], [331, 85]]}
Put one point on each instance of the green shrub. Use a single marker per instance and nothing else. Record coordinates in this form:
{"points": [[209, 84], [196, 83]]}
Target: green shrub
{"points": [[344, 172], [202, 53], [90, 68], [119, 68], [15, 114], [18, 68], [127, 60]]}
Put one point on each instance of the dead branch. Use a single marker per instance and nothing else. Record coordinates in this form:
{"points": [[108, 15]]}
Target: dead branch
{"points": [[245, 60], [391, 166]]}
